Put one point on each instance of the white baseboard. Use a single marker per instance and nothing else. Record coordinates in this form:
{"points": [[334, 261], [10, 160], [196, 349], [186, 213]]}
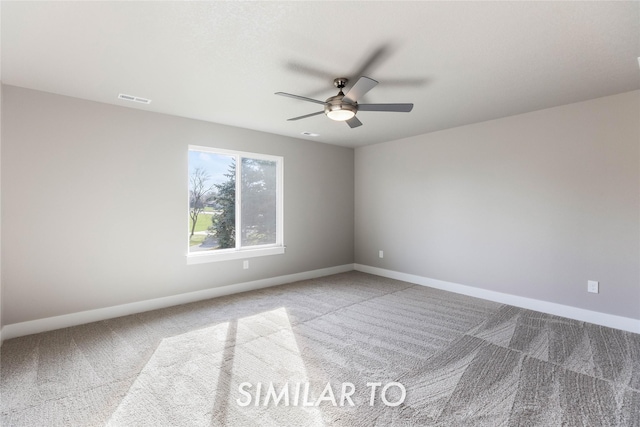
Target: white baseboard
{"points": [[66, 320], [42, 325], [604, 319]]}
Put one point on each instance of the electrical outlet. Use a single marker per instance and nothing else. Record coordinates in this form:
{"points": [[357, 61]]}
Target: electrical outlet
{"points": [[245, 264], [592, 286], [381, 254]]}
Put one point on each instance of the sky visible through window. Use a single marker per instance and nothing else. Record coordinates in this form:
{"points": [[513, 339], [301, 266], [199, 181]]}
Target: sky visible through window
{"points": [[216, 165]]}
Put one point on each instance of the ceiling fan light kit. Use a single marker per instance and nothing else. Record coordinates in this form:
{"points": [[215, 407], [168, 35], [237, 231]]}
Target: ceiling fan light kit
{"points": [[343, 108], [340, 114], [340, 111]]}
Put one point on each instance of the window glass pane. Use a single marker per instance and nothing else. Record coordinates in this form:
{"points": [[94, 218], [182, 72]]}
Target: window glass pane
{"points": [[212, 200], [258, 202]]}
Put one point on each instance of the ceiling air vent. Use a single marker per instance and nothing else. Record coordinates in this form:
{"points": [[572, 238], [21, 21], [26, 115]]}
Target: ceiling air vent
{"points": [[134, 99]]}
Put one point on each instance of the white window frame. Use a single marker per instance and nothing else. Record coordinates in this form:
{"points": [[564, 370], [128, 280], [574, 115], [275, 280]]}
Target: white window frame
{"points": [[252, 251]]}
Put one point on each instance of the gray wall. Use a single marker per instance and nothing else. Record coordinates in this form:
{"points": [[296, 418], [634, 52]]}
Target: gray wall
{"points": [[532, 205], [94, 205]]}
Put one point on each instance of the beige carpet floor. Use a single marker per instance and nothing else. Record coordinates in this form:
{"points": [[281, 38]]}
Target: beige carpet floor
{"points": [[462, 361]]}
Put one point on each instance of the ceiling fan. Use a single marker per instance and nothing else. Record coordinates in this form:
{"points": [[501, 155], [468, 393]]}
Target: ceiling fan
{"points": [[343, 107]]}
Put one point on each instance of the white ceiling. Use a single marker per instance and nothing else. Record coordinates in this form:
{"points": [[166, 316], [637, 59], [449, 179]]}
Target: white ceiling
{"points": [[458, 62]]}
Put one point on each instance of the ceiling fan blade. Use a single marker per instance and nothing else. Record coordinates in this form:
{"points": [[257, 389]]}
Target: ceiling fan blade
{"points": [[353, 122], [362, 86], [310, 71], [374, 60], [305, 116], [399, 108], [406, 82], [302, 98]]}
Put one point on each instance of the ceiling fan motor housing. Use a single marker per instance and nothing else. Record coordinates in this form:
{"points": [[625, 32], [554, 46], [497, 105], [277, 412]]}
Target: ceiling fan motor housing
{"points": [[337, 108]]}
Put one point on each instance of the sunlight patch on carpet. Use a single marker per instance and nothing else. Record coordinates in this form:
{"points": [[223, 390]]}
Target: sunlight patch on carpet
{"points": [[193, 379]]}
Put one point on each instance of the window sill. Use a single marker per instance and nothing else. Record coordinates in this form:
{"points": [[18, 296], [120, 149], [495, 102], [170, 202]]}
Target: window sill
{"points": [[226, 255]]}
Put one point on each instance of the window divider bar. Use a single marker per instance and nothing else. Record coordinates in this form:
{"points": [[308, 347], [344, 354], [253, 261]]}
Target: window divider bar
{"points": [[238, 201]]}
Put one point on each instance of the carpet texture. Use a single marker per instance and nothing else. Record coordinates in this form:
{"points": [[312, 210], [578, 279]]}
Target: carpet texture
{"points": [[462, 362]]}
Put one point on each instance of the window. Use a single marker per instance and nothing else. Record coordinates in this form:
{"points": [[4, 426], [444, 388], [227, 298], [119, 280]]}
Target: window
{"points": [[235, 205]]}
